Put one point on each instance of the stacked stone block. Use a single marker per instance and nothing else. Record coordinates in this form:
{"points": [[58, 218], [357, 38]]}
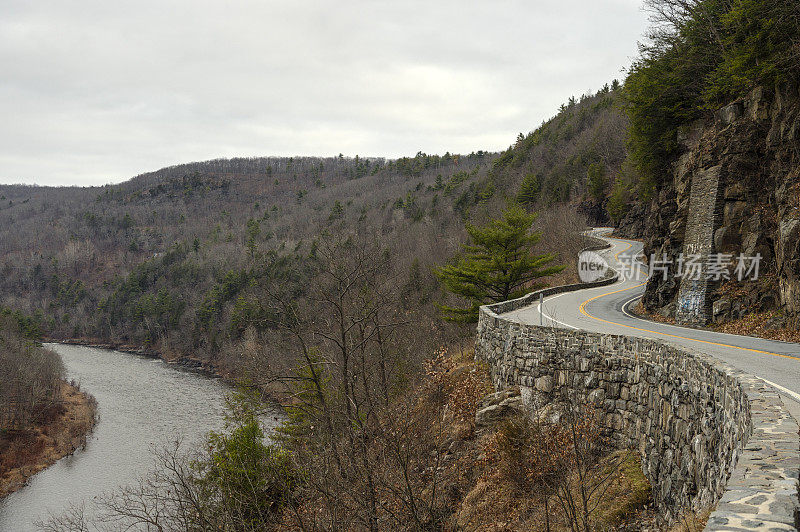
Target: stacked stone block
{"points": [[693, 306]]}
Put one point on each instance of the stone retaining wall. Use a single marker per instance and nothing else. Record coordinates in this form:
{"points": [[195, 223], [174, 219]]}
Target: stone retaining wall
{"points": [[707, 433]]}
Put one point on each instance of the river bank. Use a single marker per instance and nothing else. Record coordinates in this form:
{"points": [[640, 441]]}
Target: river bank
{"points": [[180, 360], [25, 453], [144, 406], [272, 393]]}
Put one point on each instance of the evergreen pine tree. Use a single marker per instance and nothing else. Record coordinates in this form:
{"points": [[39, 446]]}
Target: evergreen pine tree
{"points": [[596, 177], [529, 190], [497, 265]]}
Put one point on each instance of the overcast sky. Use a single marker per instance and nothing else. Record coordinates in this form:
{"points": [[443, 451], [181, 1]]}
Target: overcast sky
{"points": [[97, 91]]}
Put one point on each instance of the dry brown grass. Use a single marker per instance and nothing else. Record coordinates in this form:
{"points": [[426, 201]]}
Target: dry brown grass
{"points": [[464, 382], [627, 502], [484, 495], [64, 429], [497, 503], [755, 324]]}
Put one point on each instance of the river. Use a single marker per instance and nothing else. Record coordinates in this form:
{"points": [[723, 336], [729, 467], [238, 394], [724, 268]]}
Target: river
{"points": [[143, 404]]}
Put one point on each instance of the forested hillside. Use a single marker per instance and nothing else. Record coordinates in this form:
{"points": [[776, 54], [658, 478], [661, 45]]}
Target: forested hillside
{"points": [[576, 157], [172, 259], [179, 259]]}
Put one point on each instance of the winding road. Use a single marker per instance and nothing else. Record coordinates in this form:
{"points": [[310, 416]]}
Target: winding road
{"points": [[606, 310]]}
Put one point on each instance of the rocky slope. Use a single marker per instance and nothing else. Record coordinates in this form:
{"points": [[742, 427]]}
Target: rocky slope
{"points": [[751, 148]]}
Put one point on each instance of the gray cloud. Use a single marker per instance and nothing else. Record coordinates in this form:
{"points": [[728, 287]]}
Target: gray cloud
{"points": [[93, 92]]}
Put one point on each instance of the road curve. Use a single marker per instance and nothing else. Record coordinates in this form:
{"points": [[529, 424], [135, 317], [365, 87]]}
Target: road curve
{"points": [[604, 310]]}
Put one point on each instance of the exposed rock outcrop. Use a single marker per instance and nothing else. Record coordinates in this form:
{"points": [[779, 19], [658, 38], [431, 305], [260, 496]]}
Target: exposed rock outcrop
{"points": [[498, 406], [752, 147]]}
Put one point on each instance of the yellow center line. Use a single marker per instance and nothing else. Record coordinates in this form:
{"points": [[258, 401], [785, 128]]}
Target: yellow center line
{"points": [[616, 257], [583, 311]]}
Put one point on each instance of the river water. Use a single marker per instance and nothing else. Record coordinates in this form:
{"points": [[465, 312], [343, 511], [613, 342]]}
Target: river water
{"points": [[143, 404]]}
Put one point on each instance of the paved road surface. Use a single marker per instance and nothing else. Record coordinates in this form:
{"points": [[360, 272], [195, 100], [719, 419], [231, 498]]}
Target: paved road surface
{"points": [[604, 310]]}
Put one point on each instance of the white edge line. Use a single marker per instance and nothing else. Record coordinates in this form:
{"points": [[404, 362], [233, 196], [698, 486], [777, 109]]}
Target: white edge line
{"points": [[787, 391], [628, 302], [553, 319], [731, 335], [793, 395], [782, 389]]}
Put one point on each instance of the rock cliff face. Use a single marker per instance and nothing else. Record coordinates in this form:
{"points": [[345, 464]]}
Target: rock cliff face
{"points": [[735, 189]]}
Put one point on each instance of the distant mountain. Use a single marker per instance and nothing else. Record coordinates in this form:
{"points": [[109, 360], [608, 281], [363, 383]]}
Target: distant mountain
{"points": [[177, 259]]}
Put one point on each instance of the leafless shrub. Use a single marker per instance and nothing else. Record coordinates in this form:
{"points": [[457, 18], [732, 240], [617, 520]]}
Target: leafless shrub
{"points": [[31, 378], [562, 229], [73, 519], [561, 465]]}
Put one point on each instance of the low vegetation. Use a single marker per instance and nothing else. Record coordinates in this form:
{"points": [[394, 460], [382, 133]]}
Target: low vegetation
{"points": [[315, 280], [311, 280], [175, 260], [42, 418], [31, 384]]}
